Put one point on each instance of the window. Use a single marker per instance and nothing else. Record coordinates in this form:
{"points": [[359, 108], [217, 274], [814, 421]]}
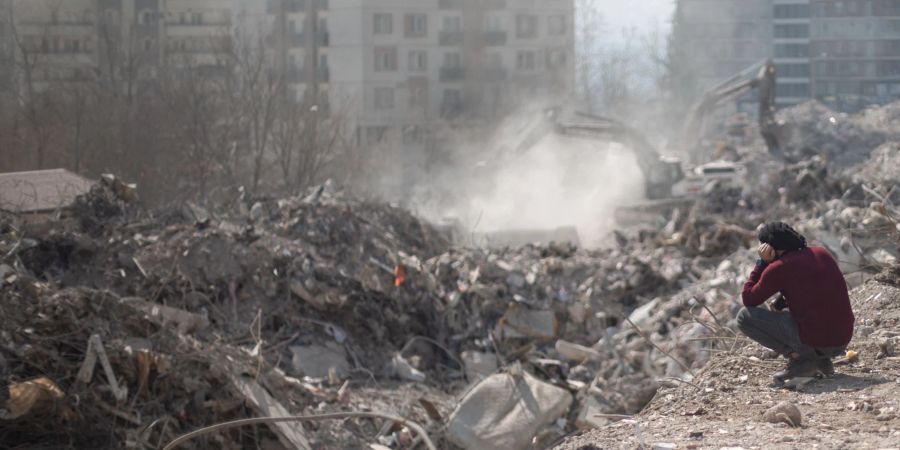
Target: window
{"points": [[413, 134], [452, 23], [196, 18], [452, 60], [526, 26], [556, 25], [374, 135], [148, 45], [798, 11], [384, 97], [418, 61], [383, 23], [494, 23], [792, 90], [415, 25], [791, 50], [556, 58], [792, 70], [525, 60], [385, 59], [146, 18]]}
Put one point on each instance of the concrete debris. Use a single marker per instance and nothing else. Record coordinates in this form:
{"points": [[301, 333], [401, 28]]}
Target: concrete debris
{"points": [[212, 312], [786, 412], [319, 361], [506, 411], [479, 365]]}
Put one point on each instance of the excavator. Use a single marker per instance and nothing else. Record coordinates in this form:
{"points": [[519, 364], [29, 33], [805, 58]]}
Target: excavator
{"points": [[665, 177]]}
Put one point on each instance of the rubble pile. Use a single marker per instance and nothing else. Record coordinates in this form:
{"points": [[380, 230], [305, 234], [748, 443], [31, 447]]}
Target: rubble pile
{"points": [[140, 326]]}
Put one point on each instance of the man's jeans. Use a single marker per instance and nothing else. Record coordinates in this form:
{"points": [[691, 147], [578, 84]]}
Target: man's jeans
{"points": [[778, 331]]}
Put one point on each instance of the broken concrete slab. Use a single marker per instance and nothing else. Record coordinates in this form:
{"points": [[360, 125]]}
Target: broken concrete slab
{"points": [[506, 410], [577, 353], [317, 361], [520, 322]]}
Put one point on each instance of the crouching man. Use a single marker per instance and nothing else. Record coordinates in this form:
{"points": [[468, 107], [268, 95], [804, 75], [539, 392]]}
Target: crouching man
{"points": [[818, 323]]}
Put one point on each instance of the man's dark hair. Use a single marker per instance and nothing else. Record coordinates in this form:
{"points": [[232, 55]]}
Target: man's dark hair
{"points": [[781, 236]]}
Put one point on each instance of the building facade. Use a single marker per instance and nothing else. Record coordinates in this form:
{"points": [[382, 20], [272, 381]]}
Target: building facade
{"points": [[59, 42], [404, 64], [855, 51], [845, 53]]}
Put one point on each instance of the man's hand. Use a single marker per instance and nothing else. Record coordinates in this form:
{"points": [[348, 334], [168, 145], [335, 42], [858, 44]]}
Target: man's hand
{"points": [[766, 253]]}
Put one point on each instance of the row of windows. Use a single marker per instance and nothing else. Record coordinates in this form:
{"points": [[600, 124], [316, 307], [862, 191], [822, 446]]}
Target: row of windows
{"points": [[792, 31], [416, 25], [874, 89], [880, 69], [58, 45], [409, 134], [792, 70], [797, 11], [783, 90], [385, 59], [791, 50], [856, 49]]}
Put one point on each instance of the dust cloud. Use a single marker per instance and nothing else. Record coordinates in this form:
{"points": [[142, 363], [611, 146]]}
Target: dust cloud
{"points": [[561, 181]]}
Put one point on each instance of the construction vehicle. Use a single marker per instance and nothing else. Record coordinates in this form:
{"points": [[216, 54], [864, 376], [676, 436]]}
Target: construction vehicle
{"points": [[760, 76]]}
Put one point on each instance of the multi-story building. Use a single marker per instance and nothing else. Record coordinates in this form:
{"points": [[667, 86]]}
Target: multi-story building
{"points": [[75, 40], [843, 52], [721, 38], [404, 64], [855, 51]]}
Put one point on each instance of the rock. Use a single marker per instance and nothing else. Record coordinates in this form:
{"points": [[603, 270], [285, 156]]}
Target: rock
{"points": [[317, 361], [588, 415], [784, 412], [519, 322], [401, 368], [575, 352], [506, 410], [642, 314], [664, 446], [479, 365]]}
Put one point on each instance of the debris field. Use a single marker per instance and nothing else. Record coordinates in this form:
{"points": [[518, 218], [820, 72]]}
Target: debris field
{"points": [[129, 328]]}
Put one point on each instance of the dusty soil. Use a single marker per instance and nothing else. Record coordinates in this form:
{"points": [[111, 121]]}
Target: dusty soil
{"points": [[859, 407]]}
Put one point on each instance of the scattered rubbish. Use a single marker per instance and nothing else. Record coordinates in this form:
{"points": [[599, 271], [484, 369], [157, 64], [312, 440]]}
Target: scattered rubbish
{"points": [[506, 410]]}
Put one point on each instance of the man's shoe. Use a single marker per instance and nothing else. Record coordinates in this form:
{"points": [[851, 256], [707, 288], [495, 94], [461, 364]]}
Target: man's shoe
{"points": [[826, 367], [795, 368]]}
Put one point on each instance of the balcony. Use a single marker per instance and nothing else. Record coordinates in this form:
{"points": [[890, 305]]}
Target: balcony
{"points": [[448, 38], [452, 73], [485, 4], [450, 4], [495, 74], [494, 38]]}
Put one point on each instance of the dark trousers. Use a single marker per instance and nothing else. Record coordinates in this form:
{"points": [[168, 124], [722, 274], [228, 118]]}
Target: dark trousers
{"points": [[776, 330]]}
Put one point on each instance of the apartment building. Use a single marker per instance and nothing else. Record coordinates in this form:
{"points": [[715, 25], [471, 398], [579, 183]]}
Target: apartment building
{"points": [[721, 38], [845, 53], [855, 51], [64, 41], [405, 64]]}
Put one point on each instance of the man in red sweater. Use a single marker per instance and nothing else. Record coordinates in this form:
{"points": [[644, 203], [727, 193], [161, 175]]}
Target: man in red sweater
{"points": [[818, 323]]}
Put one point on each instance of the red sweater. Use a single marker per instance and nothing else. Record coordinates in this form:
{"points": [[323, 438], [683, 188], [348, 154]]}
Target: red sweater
{"points": [[816, 294]]}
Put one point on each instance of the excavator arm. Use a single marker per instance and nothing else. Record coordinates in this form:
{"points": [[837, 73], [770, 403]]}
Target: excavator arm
{"points": [[660, 174], [761, 76]]}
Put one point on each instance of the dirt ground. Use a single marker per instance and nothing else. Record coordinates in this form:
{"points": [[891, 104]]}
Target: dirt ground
{"points": [[859, 407]]}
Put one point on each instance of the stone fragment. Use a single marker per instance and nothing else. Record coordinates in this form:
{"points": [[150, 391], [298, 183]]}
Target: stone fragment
{"points": [[784, 412]]}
